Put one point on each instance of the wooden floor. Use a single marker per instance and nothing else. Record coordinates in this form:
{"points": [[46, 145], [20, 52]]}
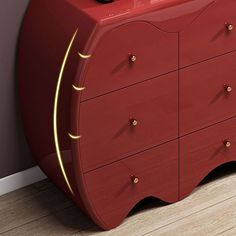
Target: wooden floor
{"points": [[41, 209]]}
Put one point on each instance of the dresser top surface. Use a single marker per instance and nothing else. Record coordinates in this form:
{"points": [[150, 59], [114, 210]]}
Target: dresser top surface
{"points": [[122, 8]]}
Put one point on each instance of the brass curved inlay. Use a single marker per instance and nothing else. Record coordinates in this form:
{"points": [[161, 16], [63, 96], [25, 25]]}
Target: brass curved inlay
{"points": [[74, 136], [55, 112], [78, 88], [84, 56]]}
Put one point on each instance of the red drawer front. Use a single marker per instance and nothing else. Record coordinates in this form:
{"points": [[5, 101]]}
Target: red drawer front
{"points": [[203, 151], [204, 98], [105, 122], [113, 191], [209, 35], [110, 67]]}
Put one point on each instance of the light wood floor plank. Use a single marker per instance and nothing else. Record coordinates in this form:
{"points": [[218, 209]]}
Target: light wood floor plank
{"points": [[228, 232], [65, 222], [215, 220], [29, 204], [26, 192]]}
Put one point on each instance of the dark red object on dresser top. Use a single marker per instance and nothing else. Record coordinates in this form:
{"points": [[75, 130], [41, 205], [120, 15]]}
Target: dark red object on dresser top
{"points": [[128, 99]]}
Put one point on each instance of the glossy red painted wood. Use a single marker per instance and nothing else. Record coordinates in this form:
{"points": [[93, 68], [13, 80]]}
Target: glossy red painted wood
{"points": [[44, 38], [168, 15], [179, 16], [154, 104], [208, 36], [113, 193], [109, 32], [203, 151], [110, 67], [203, 96]]}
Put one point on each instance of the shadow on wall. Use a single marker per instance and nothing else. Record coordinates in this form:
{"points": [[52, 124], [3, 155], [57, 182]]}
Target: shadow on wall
{"points": [[15, 155]]}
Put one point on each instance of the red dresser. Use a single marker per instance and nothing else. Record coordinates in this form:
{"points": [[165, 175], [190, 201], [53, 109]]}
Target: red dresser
{"points": [[127, 99]]}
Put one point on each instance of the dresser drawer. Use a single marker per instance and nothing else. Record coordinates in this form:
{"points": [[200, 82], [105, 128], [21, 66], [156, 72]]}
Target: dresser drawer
{"points": [[203, 151], [210, 34], [207, 93], [129, 54], [128, 121], [115, 189]]}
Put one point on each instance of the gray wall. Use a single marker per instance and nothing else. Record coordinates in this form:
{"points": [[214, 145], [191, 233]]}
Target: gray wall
{"points": [[14, 153]]}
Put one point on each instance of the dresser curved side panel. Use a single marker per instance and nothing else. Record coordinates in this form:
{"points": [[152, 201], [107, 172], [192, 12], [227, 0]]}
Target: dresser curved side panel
{"points": [[46, 66]]}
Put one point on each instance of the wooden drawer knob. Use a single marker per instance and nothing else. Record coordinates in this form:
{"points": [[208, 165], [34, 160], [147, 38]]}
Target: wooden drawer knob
{"points": [[227, 144], [135, 179], [133, 122], [228, 88], [229, 27], [133, 58]]}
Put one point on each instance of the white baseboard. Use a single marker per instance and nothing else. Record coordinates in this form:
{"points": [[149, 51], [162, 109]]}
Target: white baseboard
{"points": [[20, 180]]}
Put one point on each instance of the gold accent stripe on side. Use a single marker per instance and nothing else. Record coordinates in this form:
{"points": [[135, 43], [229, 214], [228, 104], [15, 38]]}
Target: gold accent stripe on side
{"points": [[84, 56], [78, 88], [57, 146], [74, 136]]}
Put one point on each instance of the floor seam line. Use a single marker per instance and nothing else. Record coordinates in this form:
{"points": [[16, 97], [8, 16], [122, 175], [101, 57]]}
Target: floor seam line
{"points": [[35, 220], [218, 203]]}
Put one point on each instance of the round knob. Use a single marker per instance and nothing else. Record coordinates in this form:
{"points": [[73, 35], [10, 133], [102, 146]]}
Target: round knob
{"points": [[227, 143], [229, 27], [228, 88], [133, 58], [135, 179], [134, 122]]}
